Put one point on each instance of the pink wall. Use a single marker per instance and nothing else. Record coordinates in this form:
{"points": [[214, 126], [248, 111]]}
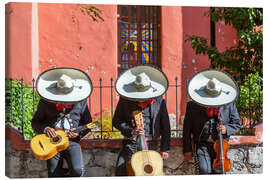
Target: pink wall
{"points": [[63, 29], [18, 41], [225, 36], [194, 23], [178, 58], [67, 38], [172, 51]]}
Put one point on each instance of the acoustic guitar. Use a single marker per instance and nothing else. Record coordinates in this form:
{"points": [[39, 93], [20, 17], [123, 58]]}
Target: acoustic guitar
{"points": [[145, 162], [44, 147]]}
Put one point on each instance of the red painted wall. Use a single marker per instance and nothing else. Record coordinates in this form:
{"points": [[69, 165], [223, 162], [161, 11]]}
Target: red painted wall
{"points": [[18, 62], [172, 52], [226, 36], [194, 23], [67, 38]]}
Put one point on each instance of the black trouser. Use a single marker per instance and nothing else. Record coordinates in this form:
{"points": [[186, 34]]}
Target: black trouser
{"points": [[206, 156], [73, 156], [128, 149]]}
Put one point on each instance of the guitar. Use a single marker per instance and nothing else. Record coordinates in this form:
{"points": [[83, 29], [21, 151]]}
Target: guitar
{"points": [[44, 147], [145, 162]]}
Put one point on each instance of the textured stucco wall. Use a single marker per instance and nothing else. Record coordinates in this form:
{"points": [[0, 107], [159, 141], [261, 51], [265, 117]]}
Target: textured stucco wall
{"points": [[18, 40], [46, 35], [68, 38]]}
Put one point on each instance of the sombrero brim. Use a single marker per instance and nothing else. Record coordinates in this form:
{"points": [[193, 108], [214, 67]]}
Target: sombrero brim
{"points": [[124, 83], [196, 88], [46, 85]]}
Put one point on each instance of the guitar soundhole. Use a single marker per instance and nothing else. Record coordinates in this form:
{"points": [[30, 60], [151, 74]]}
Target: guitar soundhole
{"points": [[56, 139], [148, 169]]}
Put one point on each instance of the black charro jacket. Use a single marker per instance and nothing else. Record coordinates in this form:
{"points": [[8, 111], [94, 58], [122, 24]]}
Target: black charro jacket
{"points": [[123, 120], [47, 114], [196, 117]]}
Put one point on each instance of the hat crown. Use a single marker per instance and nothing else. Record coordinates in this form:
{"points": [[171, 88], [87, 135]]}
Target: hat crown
{"points": [[142, 82], [213, 87], [64, 84]]}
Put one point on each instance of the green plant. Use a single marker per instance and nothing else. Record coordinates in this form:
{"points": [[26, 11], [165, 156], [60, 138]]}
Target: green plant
{"points": [[244, 60], [91, 11], [108, 131], [19, 110], [250, 102], [245, 56]]}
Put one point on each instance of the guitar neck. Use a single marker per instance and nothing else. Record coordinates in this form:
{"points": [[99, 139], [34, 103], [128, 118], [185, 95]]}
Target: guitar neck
{"points": [[221, 152], [80, 128], [85, 127], [138, 117], [143, 142]]}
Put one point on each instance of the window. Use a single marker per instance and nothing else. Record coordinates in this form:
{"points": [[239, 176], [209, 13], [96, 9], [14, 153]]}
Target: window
{"points": [[138, 36]]}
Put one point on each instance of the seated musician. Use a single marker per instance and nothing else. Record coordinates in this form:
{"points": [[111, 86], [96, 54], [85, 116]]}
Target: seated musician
{"points": [[61, 108], [213, 93], [140, 88]]}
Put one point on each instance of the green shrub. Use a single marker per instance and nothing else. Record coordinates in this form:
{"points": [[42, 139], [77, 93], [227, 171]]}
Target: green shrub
{"points": [[14, 105], [107, 128], [250, 102]]}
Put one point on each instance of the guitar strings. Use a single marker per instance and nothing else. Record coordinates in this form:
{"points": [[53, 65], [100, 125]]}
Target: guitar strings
{"points": [[148, 158]]}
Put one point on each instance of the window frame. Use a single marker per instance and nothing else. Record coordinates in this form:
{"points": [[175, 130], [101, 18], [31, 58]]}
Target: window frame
{"points": [[150, 15]]}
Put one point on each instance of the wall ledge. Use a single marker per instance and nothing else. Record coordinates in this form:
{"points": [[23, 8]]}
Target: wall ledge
{"points": [[18, 142], [255, 139]]}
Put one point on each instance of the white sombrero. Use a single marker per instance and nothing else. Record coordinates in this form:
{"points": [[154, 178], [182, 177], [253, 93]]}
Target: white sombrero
{"points": [[212, 88], [64, 85], [142, 82]]}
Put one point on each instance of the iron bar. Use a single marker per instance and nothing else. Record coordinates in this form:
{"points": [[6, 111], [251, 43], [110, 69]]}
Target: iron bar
{"points": [[111, 86], [111, 99], [22, 104], [100, 92], [33, 88]]}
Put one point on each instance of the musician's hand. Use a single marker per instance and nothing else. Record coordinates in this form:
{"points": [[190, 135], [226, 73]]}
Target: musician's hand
{"points": [[222, 129], [50, 132], [164, 155], [138, 131], [71, 134], [188, 156]]}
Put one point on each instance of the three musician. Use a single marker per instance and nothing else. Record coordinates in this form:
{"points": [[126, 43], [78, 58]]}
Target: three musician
{"points": [[212, 112]]}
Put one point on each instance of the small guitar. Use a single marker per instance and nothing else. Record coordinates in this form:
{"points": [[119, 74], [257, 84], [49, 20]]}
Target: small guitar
{"points": [[145, 162], [44, 147]]}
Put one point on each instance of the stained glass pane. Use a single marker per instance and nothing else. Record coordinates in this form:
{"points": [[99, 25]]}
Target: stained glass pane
{"points": [[124, 11], [138, 36]]}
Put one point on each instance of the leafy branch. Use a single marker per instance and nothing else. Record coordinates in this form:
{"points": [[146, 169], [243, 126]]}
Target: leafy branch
{"points": [[244, 60], [246, 56], [92, 12]]}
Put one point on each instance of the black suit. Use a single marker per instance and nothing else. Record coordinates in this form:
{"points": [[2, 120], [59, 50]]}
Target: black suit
{"points": [[196, 122], [123, 120], [47, 115]]}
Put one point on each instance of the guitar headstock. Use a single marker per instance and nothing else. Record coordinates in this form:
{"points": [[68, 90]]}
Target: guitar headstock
{"points": [[93, 125], [138, 118]]}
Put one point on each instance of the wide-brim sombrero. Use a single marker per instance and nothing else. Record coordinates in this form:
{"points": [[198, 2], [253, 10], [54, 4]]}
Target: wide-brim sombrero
{"points": [[47, 81], [229, 90], [125, 83]]}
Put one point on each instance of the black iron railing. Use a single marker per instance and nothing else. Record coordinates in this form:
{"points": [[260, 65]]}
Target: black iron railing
{"points": [[18, 89]]}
